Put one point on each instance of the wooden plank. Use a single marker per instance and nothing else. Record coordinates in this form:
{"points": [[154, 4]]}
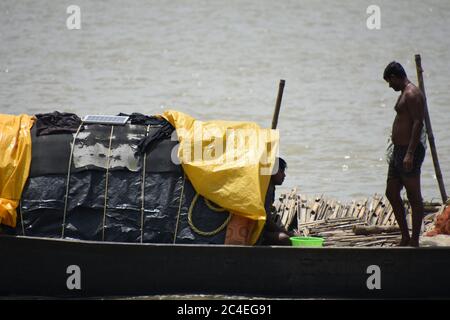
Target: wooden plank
{"points": [[369, 230]]}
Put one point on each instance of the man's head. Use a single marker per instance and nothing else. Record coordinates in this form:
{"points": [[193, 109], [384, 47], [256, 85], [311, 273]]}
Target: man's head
{"points": [[278, 178], [395, 75]]}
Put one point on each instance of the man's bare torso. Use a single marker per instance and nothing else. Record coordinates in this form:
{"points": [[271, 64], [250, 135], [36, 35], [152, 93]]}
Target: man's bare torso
{"points": [[403, 123]]}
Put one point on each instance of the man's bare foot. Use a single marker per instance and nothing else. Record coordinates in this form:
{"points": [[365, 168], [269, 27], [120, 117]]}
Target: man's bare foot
{"points": [[414, 243], [404, 242]]}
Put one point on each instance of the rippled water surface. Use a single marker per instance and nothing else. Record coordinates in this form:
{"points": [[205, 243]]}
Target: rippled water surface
{"points": [[224, 59]]}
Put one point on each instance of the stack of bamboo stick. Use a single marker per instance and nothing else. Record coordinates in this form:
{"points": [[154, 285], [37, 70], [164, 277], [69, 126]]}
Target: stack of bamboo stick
{"points": [[368, 222]]}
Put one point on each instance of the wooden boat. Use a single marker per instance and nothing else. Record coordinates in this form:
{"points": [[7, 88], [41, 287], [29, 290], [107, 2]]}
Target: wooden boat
{"points": [[48, 267], [43, 265]]}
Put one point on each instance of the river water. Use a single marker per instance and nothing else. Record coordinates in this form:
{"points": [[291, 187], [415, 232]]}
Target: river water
{"points": [[224, 59]]}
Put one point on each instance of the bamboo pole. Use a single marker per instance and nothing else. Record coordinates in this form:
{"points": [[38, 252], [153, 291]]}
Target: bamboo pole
{"points": [[321, 212], [308, 214], [363, 210], [278, 104], [378, 213], [389, 212], [335, 211], [315, 207], [350, 211], [437, 168], [299, 211], [303, 209], [292, 209], [344, 211]]}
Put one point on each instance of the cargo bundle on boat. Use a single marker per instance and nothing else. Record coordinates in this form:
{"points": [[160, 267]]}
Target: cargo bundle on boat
{"points": [[104, 181], [120, 186]]}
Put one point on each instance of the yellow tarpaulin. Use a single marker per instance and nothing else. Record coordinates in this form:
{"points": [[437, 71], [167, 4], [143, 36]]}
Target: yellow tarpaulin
{"points": [[228, 162], [15, 159]]}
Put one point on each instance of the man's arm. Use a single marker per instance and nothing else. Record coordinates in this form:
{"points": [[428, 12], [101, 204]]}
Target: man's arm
{"points": [[271, 226], [416, 110]]}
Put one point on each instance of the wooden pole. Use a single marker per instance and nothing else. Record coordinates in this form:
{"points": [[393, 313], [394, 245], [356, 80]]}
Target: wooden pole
{"points": [[278, 105], [437, 168]]}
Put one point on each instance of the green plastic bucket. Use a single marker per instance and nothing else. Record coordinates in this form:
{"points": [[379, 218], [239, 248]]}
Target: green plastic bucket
{"points": [[306, 241]]}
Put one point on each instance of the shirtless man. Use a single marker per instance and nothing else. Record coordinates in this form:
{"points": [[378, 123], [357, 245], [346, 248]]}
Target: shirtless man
{"points": [[408, 153]]}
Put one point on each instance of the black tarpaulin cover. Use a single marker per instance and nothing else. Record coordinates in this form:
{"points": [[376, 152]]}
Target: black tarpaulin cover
{"points": [[155, 211]]}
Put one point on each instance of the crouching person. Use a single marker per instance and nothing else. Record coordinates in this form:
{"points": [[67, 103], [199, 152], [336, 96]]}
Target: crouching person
{"points": [[273, 234]]}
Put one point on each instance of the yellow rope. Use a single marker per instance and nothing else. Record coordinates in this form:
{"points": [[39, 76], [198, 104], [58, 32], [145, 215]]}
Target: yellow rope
{"points": [[66, 197], [205, 233], [106, 184], [142, 190], [210, 205], [179, 209]]}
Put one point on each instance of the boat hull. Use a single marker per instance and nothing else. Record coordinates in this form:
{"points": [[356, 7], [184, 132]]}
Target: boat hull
{"points": [[41, 267]]}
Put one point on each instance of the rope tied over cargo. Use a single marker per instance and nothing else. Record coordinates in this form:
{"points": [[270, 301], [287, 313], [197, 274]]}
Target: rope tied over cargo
{"points": [[179, 209], [105, 206], [206, 233], [66, 196], [144, 167]]}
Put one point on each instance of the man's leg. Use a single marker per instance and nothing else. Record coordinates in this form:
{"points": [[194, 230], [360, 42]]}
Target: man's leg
{"points": [[412, 185], [393, 188]]}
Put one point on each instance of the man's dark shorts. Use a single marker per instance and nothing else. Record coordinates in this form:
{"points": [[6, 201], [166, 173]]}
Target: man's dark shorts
{"points": [[396, 170]]}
